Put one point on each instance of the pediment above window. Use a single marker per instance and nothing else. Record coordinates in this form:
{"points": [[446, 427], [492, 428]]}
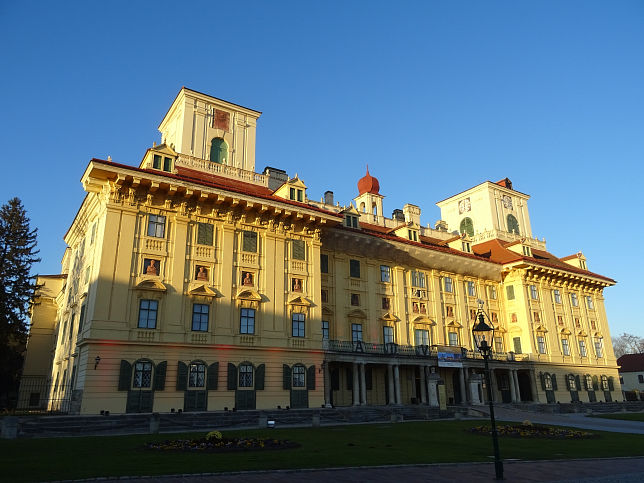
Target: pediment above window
{"points": [[204, 290], [389, 317], [357, 313], [423, 319], [564, 332], [249, 295], [582, 333], [302, 301], [327, 311], [455, 324], [540, 328], [499, 330], [151, 284]]}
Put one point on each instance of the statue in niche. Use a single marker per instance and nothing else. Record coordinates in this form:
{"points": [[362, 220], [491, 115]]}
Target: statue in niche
{"points": [[201, 273], [150, 266], [247, 279], [297, 285]]}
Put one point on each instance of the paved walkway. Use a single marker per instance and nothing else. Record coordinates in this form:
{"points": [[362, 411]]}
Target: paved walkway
{"points": [[610, 470], [574, 420]]}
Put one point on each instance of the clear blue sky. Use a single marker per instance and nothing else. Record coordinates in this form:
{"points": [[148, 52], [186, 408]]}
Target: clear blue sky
{"points": [[435, 96]]}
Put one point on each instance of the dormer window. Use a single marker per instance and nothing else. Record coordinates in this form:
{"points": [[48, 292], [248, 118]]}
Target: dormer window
{"points": [[296, 195], [413, 235], [526, 251], [163, 163], [351, 221], [466, 247], [582, 264]]}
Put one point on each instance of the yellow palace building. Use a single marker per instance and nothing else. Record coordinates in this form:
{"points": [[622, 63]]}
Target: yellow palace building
{"points": [[193, 282]]}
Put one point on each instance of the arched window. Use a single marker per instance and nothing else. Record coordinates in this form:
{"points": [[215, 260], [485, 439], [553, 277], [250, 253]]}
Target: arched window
{"points": [[246, 375], [197, 375], [363, 207], [298, 376], [513, 225], [218, 151], [467, 226], [142, 374]]}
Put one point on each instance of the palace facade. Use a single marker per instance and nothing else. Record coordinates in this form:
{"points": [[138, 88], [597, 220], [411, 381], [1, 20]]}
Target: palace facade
{"points": [[193, 282]]}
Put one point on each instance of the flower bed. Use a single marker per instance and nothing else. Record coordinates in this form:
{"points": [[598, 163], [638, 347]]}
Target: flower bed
{"points": [[215, 442], [529, 430]]}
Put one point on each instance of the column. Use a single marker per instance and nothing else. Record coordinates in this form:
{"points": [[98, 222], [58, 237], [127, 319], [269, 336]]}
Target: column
{"points": [[513, 391], [461, 373], [363, 385], [397, 383], [390, 384], [327, 385], [494, 384], [356, 385], [432, 387], [423, 385], [515, 375], [533, 386]]}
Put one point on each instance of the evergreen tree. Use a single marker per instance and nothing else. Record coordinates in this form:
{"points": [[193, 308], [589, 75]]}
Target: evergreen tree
{"points": [[17, 255]]}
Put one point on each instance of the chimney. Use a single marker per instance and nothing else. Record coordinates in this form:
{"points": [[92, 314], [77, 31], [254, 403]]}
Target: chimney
{"points": [[398, 215], [328, 198], [412, 213], [276, 177]]}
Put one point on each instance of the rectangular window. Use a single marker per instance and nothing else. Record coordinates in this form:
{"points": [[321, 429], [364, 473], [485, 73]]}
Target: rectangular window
{"points": [[325, 329], [148, 314], [466, 247], [167, 164], [498, 344], [574, 300], [582, 348], [533, 292], [245, 375], [300, 196], [298, 376], [557, 296], [81, 319], [142, 375], [297, 325], [356, 332], [197, 375], [249, 241], [205, 233], [598, 348], [200, 317], [509, 291], [589, 302], [354, 268], [355, 299], [385, 303], [298, 250], [452, 338], [417, 279], [87, 273], [156, 226], [565, 347], [471, 289], [447, 284], [421, 336], [492, 292], [324, 263], [541, 343], [247, 321], [640, 378], [517, 345], [156, 163], [324, 295], [385, 273], [93, 235], [292, 193], [388, 334]]}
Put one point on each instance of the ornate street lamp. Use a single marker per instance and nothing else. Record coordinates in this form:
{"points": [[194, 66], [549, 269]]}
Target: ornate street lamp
{"points": [[483, 333]]}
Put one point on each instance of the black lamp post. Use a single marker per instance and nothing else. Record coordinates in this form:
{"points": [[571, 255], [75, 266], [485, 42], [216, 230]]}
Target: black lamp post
{"points": [[483, 333]]}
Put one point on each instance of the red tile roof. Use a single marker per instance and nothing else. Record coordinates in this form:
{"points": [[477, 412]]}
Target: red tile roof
{"points": [[219, 182], [631, 363]]}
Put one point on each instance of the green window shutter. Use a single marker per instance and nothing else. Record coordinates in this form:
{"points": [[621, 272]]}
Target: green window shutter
{"points": [[259, 377], [543, 381], [611, 384], [554, 382], [182, 376], [232, 377], [578, 383], [286, 376], [310, 378], [349, 378], [205, 234], [125, 376], [595, 383], [212, 381], [298, 249], [159, 375]]}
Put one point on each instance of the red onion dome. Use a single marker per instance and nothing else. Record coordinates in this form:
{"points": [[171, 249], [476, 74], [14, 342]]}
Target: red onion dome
{"points": [[368, 184]]}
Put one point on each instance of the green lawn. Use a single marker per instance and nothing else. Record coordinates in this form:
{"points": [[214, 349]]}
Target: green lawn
{"points": [[624, 416], [378, 444]]}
